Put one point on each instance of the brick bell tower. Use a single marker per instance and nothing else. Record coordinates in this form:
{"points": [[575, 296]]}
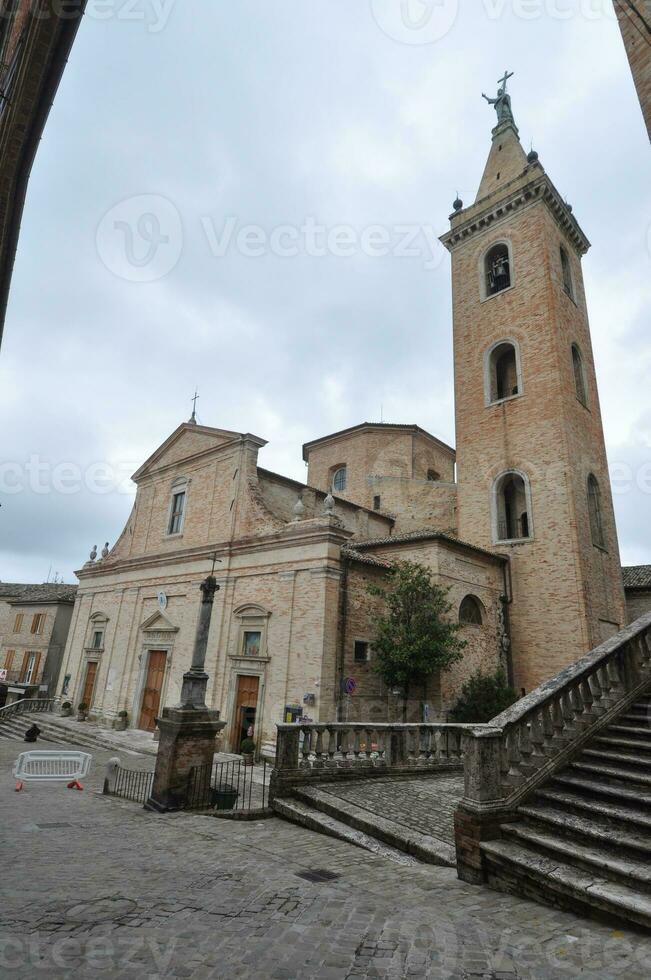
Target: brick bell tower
{"points": [[531, 461]]}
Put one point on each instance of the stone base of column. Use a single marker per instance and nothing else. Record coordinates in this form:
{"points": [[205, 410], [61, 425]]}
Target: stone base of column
{"points": [[471, 827], [187, 739]]}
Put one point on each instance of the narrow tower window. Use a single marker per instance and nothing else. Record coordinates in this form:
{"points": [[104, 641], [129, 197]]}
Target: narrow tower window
{"points": [[594, 510], [470, 611], [177, 507], [567, 273], [512, 506], [497, 269], [579, 375], [502, 372]]}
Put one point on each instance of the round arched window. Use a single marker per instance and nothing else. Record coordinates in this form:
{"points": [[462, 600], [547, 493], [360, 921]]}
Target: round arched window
{"points": [[339, 480], [470, 611]]}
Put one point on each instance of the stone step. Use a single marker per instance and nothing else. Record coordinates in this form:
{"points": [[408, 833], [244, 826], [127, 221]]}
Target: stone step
{"points": [[579, 803], [634, 872], [608, 757], [637, 717], [594, 787], [597, 827], [51, 732], [299, 812], [522, 871], [632, 777], [429, 849], [640, 746], [628, 730], [15, 728]]}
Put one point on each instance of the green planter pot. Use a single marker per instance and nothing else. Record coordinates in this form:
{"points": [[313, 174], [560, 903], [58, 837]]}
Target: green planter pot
{"points": [[224, 796]]}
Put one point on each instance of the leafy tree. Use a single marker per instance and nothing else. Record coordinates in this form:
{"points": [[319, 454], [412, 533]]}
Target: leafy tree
{"points": [[483, 696], [414, 636]]}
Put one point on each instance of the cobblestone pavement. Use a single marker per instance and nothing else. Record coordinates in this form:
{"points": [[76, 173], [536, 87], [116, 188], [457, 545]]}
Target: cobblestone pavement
{"points": [[426, 804], [95, 887]]}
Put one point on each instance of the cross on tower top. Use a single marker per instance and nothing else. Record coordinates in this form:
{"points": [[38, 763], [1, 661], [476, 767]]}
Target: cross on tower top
{"points": [[193, 417]]}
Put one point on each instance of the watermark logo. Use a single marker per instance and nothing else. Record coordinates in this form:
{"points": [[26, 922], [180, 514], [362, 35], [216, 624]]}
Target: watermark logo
{"points": [[415, 21], [140, 239]]}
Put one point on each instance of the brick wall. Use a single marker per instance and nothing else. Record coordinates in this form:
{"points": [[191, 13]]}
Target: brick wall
{"points": [[634, 18], [566, 592]]}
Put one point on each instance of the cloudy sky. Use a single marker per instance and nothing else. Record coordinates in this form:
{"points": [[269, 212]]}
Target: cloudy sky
{"points": [[219, 200]]}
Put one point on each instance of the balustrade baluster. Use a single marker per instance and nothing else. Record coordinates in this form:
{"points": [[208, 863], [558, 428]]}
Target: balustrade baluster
{"points": [[514, 775], [615, 674], [305, 748], [331, 747], [423, 735], [537, 736], [588, 701], [578, 707], [319, 754]]}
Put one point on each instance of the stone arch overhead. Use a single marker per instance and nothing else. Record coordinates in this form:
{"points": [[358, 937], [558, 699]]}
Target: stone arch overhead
{"points": [[251, 609]]}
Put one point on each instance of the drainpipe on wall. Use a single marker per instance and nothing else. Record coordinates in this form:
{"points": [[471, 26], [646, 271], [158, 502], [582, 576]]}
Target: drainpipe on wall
{"points": [[506, 599]]}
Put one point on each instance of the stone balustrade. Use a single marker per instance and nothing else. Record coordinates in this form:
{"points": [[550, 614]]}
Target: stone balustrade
{"points": [[334, 750], [524, 745], [25, 706]]}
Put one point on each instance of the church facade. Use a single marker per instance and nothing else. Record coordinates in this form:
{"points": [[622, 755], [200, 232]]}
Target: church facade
{"points": [[517, 523]]}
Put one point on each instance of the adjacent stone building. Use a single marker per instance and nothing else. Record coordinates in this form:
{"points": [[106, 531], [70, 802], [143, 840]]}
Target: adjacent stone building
{"points": [[291, 631], [634, 18], [517, 523], [34, 622], [35, 41], [637, 585]]}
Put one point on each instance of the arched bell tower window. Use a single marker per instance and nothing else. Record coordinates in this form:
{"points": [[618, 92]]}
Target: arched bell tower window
{"points": [[502, 372], [595, 512], [470, 611], [497, 269], [579, 375], [511, 507], [567, 273]]}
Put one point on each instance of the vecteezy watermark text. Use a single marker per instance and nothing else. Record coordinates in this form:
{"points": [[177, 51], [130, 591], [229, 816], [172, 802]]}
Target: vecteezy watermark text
{"points": [[153, 14], [427, 21], [141, 239], [318, 240]]}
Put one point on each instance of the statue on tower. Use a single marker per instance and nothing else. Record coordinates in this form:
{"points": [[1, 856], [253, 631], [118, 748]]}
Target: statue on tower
{"points": [[503, 101]]}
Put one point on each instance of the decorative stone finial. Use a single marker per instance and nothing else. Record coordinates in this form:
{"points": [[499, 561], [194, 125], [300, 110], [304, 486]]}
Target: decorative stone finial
{"points": [[458, 204], [93, 554], [532, 156], [329, 505], [299, 509], [105, 550]]}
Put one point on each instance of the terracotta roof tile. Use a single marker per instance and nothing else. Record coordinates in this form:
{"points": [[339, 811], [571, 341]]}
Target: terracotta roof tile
{"points": [[637, 576]]}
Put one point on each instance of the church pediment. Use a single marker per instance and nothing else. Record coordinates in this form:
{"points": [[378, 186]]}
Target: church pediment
{"points": [[158, 623], [185, 443]]}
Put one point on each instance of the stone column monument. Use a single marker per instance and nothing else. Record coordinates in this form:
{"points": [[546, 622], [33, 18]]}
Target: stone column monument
{"points": [[188, 730]]}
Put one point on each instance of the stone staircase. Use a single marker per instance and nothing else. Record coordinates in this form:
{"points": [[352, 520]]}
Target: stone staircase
{"points": [[325, 812], [582, 840], [56, 730]]}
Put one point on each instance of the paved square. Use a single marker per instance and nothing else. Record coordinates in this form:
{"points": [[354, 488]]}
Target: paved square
{"points": [[95, 887]]}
